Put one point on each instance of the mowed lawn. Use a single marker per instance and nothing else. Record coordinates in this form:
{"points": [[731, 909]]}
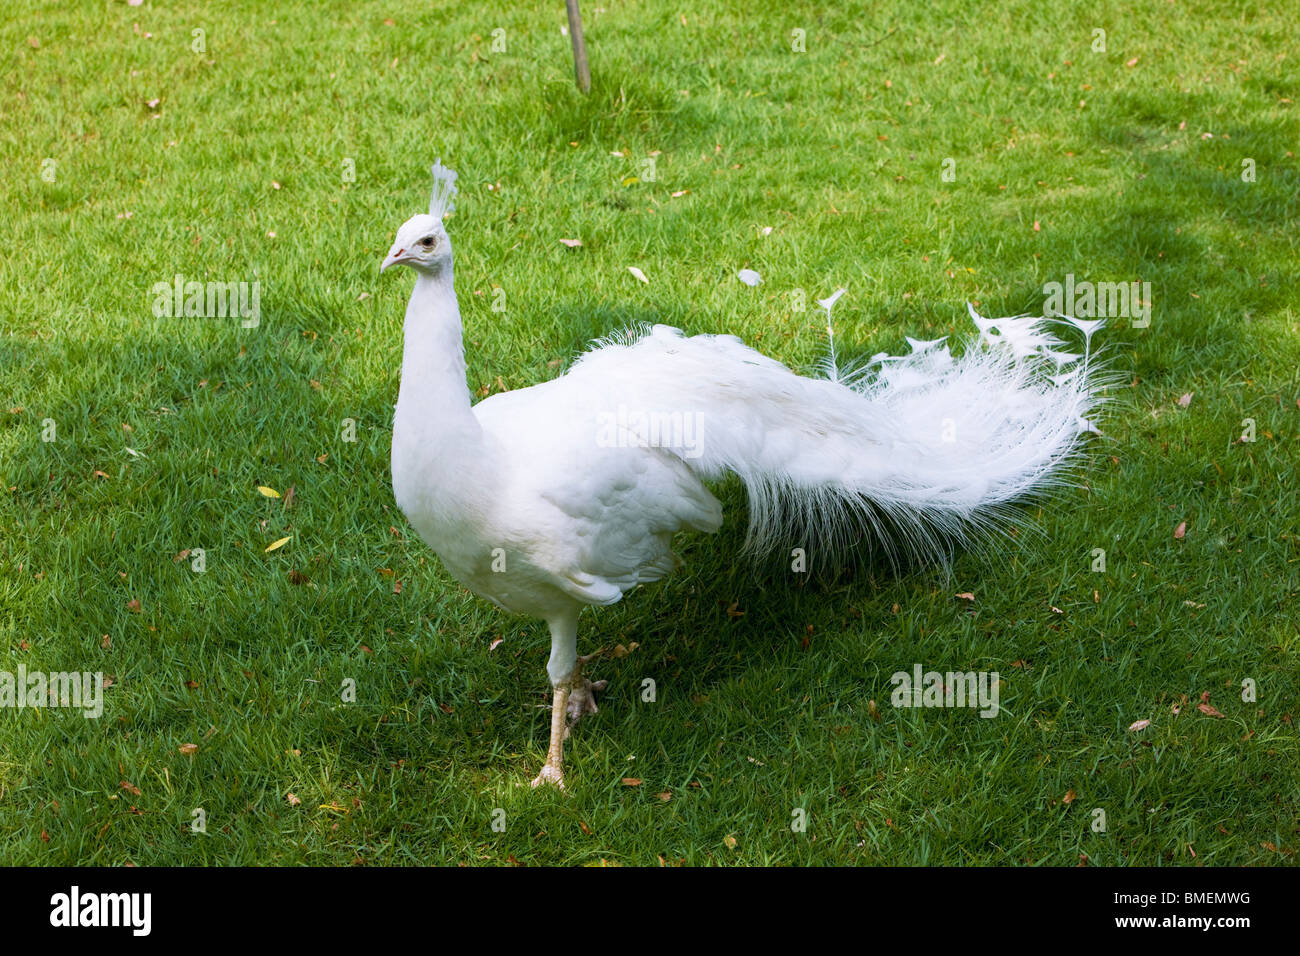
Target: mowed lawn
{"points": [[285, 148]]}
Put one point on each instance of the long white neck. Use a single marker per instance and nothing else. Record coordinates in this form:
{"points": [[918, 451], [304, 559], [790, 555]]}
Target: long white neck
{"points": [[437, 440], [433, 396]]}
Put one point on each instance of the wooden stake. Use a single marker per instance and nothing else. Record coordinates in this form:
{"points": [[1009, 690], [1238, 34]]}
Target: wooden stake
{"points": [[580, 67]]}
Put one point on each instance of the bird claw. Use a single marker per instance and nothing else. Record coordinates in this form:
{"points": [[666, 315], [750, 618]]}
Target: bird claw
{"points": [[549, 774], [582, 700]]}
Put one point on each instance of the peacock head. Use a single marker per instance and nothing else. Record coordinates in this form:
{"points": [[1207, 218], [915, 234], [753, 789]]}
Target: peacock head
{"points": [[422, 241], [422, 244]]}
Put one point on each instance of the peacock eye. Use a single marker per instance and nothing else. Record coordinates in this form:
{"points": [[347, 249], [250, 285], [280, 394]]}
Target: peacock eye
{"points": [[428, 242]]}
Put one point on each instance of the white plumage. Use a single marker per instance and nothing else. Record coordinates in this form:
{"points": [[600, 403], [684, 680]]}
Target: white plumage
{"points": [[569, 493]]}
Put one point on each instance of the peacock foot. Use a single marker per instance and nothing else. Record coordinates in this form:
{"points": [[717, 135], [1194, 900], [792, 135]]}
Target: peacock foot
{"points": [[551, 773], [582, 699]]}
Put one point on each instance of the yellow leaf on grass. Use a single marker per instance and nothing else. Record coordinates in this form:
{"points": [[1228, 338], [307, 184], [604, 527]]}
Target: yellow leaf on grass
{"points": [[277, 544], [268, 492]]}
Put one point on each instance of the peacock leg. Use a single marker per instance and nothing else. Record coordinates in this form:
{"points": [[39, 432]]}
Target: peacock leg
{"points": [[561, 668], [553, 769], [574, 695]]}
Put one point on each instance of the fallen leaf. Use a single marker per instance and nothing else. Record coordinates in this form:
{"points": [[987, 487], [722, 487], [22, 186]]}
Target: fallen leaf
{"points": [[188, 749], [631, 781], [268, 492], [1068, 798], [275, 545], [638, 274], [749, 277], [1181, 531], [133, 605], [1139, 725], [293, 799], [1208, 710], [730, 841], [965, 596], [130, 788], [1186, 399], [572, 243]]}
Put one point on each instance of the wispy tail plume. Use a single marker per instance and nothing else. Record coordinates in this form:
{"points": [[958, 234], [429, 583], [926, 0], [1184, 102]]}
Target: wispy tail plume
{"points": [[916, 453]]}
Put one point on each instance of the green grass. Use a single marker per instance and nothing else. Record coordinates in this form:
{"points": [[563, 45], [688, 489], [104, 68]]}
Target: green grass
{"points": [[1067, 161]]}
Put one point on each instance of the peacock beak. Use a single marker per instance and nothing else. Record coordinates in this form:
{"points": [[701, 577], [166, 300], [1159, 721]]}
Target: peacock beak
{"points": [[396, 255]]}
